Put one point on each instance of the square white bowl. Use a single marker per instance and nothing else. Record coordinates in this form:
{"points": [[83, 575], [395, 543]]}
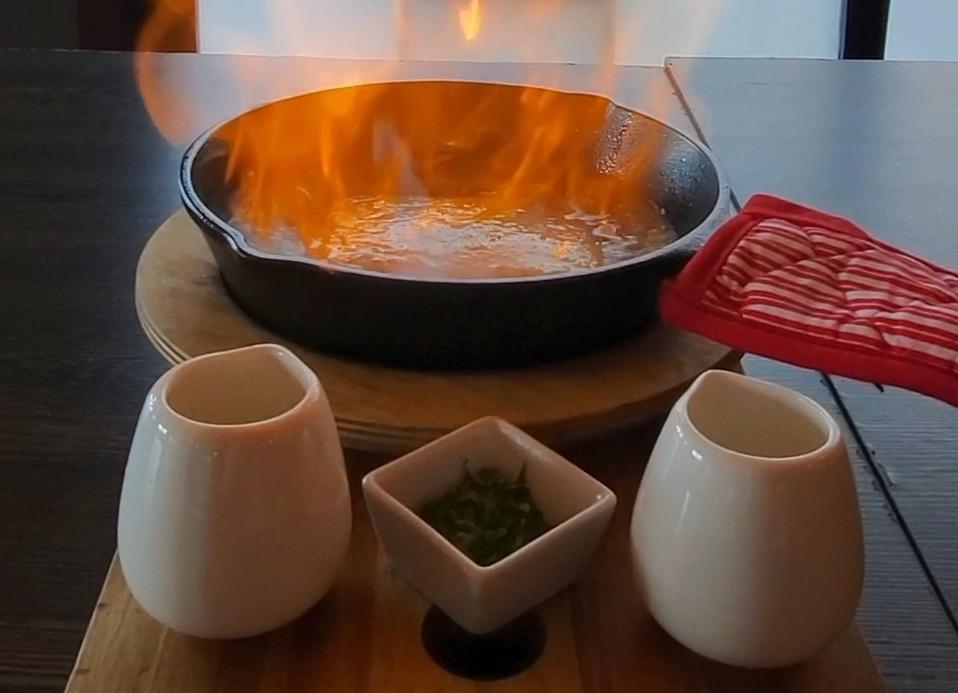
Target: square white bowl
{"points": [[483, 598]]}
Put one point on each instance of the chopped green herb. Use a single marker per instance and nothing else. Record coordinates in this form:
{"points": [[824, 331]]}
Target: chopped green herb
{"points": [[486, 516]]}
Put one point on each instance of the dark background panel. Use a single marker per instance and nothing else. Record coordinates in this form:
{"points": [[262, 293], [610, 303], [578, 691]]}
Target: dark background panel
{"points": [[85, 24], [866, 24]]}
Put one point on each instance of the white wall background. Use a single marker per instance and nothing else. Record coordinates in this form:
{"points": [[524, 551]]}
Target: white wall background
{"points": [[643, 32], [325, 28], [650, 30], [922, 30]]}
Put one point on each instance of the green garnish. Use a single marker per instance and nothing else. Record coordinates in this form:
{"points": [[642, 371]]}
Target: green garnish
{"points": [[486, 516]]}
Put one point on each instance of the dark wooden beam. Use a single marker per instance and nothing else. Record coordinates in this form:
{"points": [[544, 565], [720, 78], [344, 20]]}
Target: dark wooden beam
{"points": [[866, 24], [116, 24]]}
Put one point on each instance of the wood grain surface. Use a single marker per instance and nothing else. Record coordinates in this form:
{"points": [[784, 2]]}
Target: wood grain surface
{"points": [[85, 178], [185, 310], [875, 142], [365, 635], [79, 195]]}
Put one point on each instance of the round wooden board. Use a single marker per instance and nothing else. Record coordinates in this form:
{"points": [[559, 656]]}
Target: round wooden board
{"points": [[185, 311]]}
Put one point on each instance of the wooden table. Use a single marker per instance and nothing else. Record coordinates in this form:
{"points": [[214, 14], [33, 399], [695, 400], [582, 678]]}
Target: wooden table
{"points": [[85, 178]]}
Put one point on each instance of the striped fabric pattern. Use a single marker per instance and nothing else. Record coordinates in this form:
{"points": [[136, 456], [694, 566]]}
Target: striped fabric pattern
{"points": [[800, 285]]}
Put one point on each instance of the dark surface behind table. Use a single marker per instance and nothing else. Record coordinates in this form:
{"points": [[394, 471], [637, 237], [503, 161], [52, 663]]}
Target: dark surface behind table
{"points": [[84, 180]]}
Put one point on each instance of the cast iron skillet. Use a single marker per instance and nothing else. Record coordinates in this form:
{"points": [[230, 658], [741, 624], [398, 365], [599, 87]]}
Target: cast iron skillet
{"points": [[459, 323]]}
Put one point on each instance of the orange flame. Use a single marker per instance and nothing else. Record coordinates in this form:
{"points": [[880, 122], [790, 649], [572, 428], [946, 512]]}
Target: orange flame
{"points": [[302, 162], [296, 163], [470, 20]]}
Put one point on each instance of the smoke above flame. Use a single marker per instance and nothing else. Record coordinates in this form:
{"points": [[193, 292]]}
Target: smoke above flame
{"points": [[470, 19]]}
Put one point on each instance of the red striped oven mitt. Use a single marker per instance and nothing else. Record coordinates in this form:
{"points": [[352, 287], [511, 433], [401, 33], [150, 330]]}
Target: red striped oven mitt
{"points": [[798, 285]]}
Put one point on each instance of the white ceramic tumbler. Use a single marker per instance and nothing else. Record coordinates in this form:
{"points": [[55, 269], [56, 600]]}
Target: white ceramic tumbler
{"points": [[746, 532], [235, 511]]}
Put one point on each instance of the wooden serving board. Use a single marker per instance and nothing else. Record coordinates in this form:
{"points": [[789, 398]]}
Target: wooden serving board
{"points": [[185, 311], [365, 634]]}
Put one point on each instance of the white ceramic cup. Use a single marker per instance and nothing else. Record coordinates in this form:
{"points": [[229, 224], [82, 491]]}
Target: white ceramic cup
{"points": [[746, 532], [235, 511]]}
